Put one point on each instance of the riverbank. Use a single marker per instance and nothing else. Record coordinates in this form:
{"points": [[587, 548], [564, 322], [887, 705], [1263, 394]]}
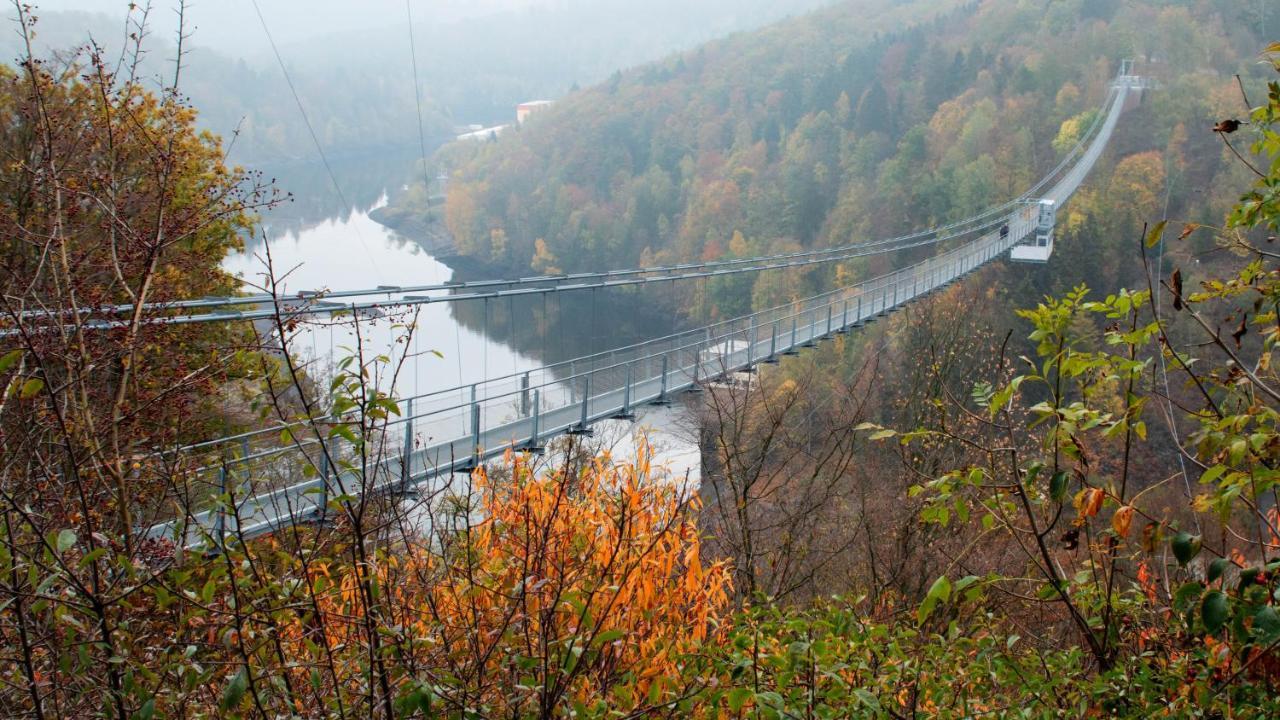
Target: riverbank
{"points": [[432, 236]]}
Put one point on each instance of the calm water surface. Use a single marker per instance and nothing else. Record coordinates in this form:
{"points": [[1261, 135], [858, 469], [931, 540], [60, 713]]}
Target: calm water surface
{"points": [[350, 251]]}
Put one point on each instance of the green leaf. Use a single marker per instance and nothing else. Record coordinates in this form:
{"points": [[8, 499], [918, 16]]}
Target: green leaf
{"points": [[1214, 610], [92, 557], [940, 591], [9, 359], [1248, 576], [66, 539], [30, 388], [866, 698], [1058, 486], [1216, 568], [655, 691], [609, 636], [1185, 547], [1266, 625], [344, 431], [234, 692], [1156, 234], [1048, 592], [1212, 474], [147, 711], [1186, 595], [737, 698]]}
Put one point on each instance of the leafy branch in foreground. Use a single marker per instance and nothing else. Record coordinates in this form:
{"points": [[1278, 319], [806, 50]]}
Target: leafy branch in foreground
{"points": [[1158, 581]]}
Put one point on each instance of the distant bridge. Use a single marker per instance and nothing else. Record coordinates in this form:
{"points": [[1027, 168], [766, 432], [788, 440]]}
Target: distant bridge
{"points": [[457, 429]]}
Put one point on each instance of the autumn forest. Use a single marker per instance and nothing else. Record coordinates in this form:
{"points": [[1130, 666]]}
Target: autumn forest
{"points": [[1041, 490]]}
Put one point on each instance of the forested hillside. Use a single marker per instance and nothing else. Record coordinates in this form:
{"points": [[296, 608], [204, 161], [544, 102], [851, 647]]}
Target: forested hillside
{"points": [[858, 122], [353, 110], [358, 85]]}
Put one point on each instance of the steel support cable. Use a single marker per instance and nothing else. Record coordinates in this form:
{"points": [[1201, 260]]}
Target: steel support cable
{"points": [[580, 280], [962, 261], [417, 99], [699, 341], [315, 139], [870, 285], [318, 306], [884, 246], [888, 245]]}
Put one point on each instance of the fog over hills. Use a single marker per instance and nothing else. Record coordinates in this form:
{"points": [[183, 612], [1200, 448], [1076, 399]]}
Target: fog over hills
{"points": [[351, 62]]}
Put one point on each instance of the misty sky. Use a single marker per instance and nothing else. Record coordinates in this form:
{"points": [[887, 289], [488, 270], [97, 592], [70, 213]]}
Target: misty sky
{"points": [[232, 26]]}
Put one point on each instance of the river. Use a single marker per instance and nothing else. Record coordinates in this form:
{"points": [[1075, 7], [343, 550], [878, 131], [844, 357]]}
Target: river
{"points": [[350, 250]]}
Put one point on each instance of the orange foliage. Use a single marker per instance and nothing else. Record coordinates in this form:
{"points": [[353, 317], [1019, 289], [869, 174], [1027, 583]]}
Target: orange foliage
{"points": [[566, 587]]}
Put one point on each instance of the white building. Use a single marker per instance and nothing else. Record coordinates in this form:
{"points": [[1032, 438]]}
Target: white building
{"points": [[483, 133], [524, 110]]}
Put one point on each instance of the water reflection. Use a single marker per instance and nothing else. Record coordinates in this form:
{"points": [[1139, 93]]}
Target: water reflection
{"points": [[320, 243], [556, 327], [313, 198], [354, 252]]}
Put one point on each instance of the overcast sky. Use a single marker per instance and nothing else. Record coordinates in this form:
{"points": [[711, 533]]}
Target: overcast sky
{"points": [[232, 25]]}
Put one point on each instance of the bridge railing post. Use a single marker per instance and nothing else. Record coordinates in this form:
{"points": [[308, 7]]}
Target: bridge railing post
{"points": [[406, 452], [524, 395], [537, 414], [751, 342], [773, 341], [474, 395], [795, 319], [662, 385], [220, 521], [323, 509], [830, 310], [244, 462], [626, 394], [844, 315], [475, 434], [586, 401]]}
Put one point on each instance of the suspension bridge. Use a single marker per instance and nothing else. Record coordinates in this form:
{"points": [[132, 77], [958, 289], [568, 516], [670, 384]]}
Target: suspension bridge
{"points": [[310, 470]]}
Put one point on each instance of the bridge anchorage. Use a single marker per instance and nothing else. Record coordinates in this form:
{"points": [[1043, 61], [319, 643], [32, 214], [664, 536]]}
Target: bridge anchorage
{"points": [[458, 429]]}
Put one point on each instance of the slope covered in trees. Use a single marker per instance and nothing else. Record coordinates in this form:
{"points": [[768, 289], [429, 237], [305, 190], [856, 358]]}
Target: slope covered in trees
{"points": [[353, 111], [853, 123], [475, 65]]}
